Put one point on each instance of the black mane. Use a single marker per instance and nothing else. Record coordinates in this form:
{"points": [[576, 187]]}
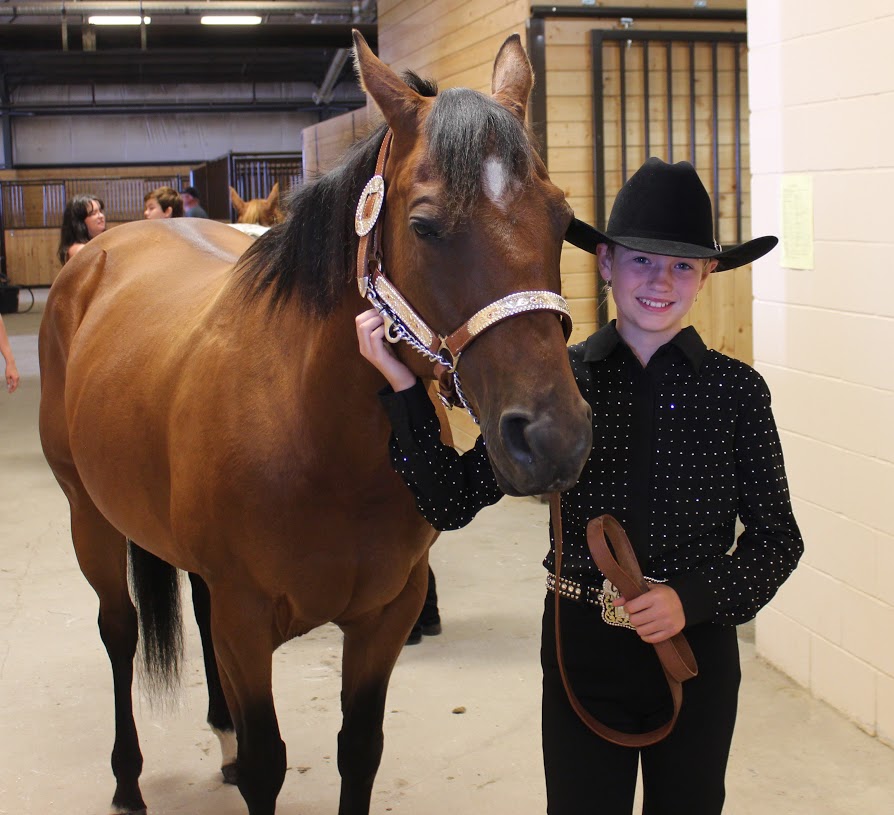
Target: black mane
{"points": [[312, 256]]}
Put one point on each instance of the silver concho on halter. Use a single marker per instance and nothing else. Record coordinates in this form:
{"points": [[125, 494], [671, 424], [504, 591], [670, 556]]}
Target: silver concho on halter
{"points": [[374, 187]]}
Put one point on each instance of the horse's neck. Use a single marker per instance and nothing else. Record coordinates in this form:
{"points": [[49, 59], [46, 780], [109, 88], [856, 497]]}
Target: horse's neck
{"points": [[320, 354]]}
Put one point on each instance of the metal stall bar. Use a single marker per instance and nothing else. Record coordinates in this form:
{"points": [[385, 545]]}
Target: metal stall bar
{"points": [[622, 61], [692, 159], [647, 141], [737, 140], [669, 69], [598, 157], [715, 142]]}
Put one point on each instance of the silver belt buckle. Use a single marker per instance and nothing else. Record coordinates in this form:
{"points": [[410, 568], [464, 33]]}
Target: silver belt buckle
{"points": [[612, 614]]}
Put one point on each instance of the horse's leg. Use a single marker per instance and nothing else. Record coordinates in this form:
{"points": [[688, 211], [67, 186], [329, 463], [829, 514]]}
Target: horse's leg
{"points": [[371, 649], [102, 554], [218, 713], [242, 625]]}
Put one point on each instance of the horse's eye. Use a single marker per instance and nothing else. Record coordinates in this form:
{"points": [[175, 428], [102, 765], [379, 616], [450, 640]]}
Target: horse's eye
{"points": [[425, 229]]}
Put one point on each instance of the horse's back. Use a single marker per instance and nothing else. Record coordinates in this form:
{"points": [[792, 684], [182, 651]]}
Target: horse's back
{"points": [[137, 265]]}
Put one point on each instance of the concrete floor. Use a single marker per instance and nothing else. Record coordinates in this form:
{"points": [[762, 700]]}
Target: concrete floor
{"points": [[791, 755]]}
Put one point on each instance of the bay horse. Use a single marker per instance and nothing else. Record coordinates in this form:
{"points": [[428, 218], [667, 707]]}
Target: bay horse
{"points": [[261, 211], [203, 395]]}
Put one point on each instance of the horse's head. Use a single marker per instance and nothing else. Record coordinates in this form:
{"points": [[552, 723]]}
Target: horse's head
{"points": [[263, 211], [470, 217]]}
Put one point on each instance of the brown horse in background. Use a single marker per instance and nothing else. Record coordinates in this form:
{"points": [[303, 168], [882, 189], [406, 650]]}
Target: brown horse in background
{"points": [[203, 396], [261, 211]]}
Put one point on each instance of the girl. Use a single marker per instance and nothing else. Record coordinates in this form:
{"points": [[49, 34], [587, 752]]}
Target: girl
{"points": [[84, 218], [684, 442]]}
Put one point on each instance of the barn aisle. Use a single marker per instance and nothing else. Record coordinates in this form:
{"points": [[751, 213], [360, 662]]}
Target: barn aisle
{"points": [[462, 722]]}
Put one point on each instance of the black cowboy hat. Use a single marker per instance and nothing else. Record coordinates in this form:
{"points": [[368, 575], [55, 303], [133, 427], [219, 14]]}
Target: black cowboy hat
{"points": [[665, 209]]}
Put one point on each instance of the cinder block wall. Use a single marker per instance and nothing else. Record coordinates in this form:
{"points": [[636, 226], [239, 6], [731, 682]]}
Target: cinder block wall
{"points": [[822, 97]]}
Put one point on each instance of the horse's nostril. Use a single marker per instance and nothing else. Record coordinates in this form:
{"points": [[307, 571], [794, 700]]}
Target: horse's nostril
{"points": [[512, 429]]}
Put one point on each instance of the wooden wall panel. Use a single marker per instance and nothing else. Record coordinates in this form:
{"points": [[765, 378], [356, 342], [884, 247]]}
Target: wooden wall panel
{"points": [[31, 256], [324, 144], [94, 172], [452, 41]]}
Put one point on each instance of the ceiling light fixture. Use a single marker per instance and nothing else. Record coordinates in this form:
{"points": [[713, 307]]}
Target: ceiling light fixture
{"points": [[118, 20], [211, 19]]}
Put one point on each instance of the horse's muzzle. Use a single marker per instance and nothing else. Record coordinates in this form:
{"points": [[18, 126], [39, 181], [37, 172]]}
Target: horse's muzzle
{"points": [[542, 453]]}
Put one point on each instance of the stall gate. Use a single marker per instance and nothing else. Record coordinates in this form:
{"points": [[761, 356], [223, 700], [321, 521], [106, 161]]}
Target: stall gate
{"points": [[681, 97], [251, 175]]}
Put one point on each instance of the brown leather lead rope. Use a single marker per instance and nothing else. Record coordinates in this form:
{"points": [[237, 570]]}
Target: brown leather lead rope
{"points": [[675, 655]]}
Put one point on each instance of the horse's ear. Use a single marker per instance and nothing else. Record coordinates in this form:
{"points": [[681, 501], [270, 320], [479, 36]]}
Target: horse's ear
{"points": [[398, 102], [238, 203], [273, 197], [513, 77]]}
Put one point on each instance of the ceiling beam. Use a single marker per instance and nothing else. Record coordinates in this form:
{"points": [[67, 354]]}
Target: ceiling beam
{"points": [[149, 7]]}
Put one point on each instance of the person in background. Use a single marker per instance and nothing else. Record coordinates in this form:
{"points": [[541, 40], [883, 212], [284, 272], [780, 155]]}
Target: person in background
{"points": [[12, 373], [162, 202], [684, 443], [84, 218], [429, 621], [192, 206]]}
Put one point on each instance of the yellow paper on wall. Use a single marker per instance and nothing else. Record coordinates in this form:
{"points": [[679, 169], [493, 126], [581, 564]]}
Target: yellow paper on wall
{"points": [[797, 221]]}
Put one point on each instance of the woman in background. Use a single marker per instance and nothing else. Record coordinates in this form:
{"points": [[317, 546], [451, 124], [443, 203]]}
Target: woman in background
{"points": [[163, 202], [84, 218]]}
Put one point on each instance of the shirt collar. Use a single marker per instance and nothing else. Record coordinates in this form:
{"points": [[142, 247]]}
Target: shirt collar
{"points": [[602, 344]]}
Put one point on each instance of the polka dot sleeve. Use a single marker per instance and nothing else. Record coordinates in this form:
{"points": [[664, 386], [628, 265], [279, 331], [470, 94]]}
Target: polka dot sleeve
{"points": [[732, 588], [450, 488]]}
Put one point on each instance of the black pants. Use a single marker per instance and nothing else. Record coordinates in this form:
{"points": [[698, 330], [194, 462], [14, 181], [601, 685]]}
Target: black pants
{"points": [[618, 678]]}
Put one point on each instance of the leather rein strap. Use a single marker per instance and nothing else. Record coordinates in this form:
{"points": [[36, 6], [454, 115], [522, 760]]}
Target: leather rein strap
{"points": [[403, 322], [622, 569]]}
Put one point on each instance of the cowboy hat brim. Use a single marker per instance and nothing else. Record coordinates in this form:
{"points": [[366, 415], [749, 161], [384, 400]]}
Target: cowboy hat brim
{"points": [[587, 237]]}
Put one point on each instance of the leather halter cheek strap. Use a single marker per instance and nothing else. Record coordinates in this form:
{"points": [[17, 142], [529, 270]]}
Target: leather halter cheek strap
{"points": [[622, 569], [402, 320], [366, 218]]}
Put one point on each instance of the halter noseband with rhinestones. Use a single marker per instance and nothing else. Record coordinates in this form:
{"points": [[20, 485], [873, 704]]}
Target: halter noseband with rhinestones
{"points": [[402, 322]]}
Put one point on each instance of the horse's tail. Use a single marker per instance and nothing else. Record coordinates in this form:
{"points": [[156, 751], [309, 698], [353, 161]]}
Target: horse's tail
{"points": [[155, 586]]}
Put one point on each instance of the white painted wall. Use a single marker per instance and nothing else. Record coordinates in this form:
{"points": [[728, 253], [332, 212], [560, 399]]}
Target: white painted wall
{"points": [[159, 138], [821, 86]]}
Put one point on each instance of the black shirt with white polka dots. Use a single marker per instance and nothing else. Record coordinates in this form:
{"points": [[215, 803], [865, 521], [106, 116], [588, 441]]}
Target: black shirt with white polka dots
{"points": [[681, 448]]}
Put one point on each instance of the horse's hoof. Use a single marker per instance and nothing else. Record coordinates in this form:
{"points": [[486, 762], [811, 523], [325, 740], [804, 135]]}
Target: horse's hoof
{"points": [[230, 775], [135, 806]]}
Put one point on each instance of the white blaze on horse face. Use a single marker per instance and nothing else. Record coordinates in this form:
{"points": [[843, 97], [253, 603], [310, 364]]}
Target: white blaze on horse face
{"points": [[496, 182]]}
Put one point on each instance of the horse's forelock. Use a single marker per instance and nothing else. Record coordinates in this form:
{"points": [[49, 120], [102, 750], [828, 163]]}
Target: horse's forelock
{"points": [[464, 129]]}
